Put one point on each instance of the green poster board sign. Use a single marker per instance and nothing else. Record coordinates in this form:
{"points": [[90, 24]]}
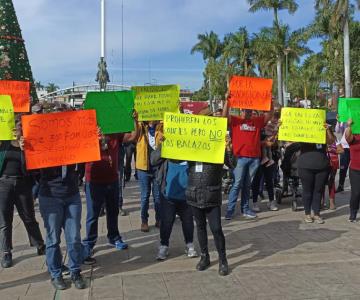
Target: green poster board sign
{"points": [[114, 110], [354, 113], [343, 108]]}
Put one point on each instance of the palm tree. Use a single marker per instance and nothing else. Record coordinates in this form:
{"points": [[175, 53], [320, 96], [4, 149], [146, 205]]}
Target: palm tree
{"points": [[276, 40], [276, 6], [210, 46], [238, 52], [340, 21], [51, 87]]}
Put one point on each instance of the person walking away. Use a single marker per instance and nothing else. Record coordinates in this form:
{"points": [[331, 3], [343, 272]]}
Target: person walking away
{"points": [[354, 144], [16, 190], [148, 139]]}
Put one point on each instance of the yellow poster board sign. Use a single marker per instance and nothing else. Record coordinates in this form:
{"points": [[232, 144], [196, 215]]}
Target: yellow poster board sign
{"points": [[151, 102], [303, 125], [7, 118], [194, 138]]}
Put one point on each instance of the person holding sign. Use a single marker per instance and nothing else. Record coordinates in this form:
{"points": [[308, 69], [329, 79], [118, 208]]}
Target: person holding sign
{"points": [[172, 178], [246, 138], [102, 187], [204, 195], [313, 169], [60, 208], [148, 139], [354, 143], [16, 190]]}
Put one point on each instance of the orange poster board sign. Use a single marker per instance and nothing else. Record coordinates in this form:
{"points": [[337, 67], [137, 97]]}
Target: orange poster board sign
{"points": [[250, 93], [19, 92], [59, 139]]}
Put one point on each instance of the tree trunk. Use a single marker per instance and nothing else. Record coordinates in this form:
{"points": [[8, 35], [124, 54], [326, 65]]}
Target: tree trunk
{"points": [[347, 60], [279, 81]]}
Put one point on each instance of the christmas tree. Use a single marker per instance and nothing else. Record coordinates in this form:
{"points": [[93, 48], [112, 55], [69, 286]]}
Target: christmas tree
{"points": [[14, 62]]}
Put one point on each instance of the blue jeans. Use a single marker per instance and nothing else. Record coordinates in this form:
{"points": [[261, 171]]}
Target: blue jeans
{"points": [[57, 214], [148, 183], [96, 196], [244, 173]]}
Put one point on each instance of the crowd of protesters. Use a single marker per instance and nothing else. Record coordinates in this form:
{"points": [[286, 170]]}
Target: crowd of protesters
{"points": [[191, 190]]}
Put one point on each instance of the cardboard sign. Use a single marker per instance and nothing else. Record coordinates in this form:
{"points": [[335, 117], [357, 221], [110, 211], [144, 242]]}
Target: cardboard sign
{"points": [[250, 93], [19, 92], [354, 114], [193, 107], [343, 108], [59, 139], [303, 125], [7, 119], [194, 138], [114, 110], [151, 102]]}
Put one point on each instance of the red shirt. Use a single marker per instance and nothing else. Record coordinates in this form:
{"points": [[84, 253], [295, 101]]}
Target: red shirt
{"points": [[106, 170], [355, 153], [246, 136]]}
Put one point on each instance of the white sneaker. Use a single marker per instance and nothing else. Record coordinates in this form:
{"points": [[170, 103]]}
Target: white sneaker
{"points": [[272, 206], [190, 250], [256, 207], [163, 253]]}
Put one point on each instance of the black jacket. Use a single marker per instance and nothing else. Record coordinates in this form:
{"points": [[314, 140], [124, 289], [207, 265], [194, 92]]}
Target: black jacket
{"points": [[204, 188]]}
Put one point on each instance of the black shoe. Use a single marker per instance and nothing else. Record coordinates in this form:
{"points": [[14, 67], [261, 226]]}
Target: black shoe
{"points": [[41, 250], [78, 281], [65, 270], [89, 261], [223, 267], [59, 283], [204, 262], [6, 261]]}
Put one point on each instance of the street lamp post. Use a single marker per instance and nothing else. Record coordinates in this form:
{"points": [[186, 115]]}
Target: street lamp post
{"points": [[286, 52]]}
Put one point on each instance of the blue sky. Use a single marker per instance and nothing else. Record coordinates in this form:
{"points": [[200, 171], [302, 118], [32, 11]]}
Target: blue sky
{"points": [[63, 37]]}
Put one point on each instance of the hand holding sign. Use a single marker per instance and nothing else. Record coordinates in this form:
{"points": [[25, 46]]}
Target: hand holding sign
{"points": [[250, 93], [303, 125], [151, 102], [19, 91], [194, 138], [58, 139], [7, 119]]}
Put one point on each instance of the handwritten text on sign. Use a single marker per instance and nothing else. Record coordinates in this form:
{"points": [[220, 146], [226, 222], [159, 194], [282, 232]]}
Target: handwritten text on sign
{"points": [[194, 138], [250, 93], [19, 92], [303, 125], [7, 119], [151, 102], [59, 139]]}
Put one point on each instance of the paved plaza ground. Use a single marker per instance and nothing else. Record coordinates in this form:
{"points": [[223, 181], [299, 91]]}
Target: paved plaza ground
{"points": [[276, 256]]}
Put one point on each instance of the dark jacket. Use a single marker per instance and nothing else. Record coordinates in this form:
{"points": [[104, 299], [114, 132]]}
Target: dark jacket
{"points": [[160, 164], [204, 188], [5, 145]]}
